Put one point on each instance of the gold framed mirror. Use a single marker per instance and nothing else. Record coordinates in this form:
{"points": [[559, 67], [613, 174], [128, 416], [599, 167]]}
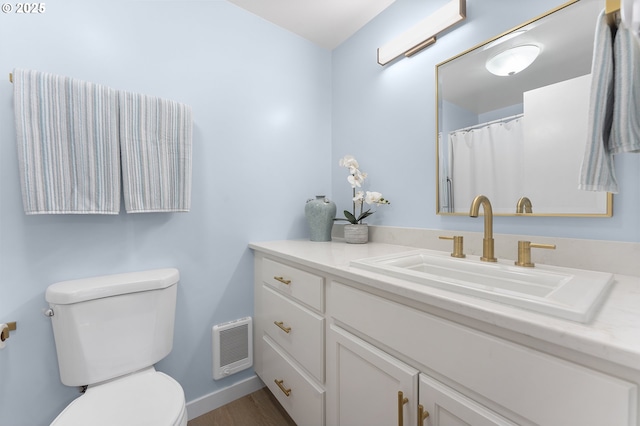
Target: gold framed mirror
{"points": [[513, 133]]}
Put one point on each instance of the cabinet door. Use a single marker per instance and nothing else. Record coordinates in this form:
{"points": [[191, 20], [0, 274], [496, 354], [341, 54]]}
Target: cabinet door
{"points": [[558, 392], [447, 407], [365, 383]]}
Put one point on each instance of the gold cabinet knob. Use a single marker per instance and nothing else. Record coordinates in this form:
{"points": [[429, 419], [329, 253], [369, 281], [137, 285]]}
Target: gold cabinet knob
{"points": [[524, 252], [458, 245]]}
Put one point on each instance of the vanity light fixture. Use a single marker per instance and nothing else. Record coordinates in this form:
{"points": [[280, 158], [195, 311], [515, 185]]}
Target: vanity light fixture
{"points": [[424, 33], [513, 60]]}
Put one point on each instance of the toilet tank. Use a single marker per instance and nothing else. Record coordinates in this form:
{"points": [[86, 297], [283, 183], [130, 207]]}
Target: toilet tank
{"points": [[108, 326]]}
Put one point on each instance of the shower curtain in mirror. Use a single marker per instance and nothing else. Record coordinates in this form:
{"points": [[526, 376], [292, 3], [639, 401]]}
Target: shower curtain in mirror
{"points": [[487, 160]]}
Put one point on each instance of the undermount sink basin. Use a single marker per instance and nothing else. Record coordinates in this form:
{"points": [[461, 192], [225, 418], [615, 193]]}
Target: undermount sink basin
{"points": [[567, 293]]}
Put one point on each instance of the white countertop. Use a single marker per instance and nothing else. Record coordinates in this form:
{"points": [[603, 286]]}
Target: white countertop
{"points": [[612, 335]]}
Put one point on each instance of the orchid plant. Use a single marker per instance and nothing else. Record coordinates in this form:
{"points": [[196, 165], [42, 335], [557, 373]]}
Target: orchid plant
{"points": [[356, 179]]}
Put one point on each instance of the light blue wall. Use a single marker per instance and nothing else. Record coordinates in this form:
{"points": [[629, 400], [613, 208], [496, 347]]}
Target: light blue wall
{"points": [[385, 117], [261, 102], [273, 114]]}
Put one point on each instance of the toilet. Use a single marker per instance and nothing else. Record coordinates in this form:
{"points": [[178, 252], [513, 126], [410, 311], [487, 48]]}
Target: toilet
{"points": [[109, 332]]}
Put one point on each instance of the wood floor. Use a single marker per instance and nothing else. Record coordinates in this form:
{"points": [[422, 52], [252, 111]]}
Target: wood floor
{"points": [[256, 409]]}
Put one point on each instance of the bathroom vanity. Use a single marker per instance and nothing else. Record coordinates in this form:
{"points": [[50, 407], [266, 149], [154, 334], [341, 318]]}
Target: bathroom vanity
{"points": [[340, 345]]}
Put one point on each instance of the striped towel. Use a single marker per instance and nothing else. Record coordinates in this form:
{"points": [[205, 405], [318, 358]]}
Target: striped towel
{"points": [[625, 132], [155, 140], [597, 170], [68, 153]]}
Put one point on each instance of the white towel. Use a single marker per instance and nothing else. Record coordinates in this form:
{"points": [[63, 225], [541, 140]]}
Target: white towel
{"points": [[630, 14], [155, 141], [68, 149], [625, 131], [597, 170]]}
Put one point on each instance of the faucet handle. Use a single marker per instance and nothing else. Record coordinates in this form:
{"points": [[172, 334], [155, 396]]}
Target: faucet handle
{"points": [[524, 252], [458, 245]]}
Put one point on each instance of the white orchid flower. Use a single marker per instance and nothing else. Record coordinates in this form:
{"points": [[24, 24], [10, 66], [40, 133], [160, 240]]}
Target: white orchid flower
{"points": [[349, 162], [359, 197], [356, 179], [373, 197]]}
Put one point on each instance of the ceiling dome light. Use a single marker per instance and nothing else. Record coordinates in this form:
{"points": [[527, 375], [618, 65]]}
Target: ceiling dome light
{"points": [[504, 38], [513, 60]]}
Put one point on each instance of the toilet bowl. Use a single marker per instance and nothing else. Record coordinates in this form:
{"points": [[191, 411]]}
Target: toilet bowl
{"points": [[145, 398], [109, 332]]}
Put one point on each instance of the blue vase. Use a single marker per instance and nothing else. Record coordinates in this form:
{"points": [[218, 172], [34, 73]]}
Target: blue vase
{"points": [[320, 213]]}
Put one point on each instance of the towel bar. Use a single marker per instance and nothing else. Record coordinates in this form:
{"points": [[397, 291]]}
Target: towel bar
{"points": [[612, 12], [611, 6]]}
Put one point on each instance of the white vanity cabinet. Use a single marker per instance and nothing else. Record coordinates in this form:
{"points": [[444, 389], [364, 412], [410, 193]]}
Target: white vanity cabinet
{"points": [[469, 377], [355, 354], [289, 349], [370, 387]]}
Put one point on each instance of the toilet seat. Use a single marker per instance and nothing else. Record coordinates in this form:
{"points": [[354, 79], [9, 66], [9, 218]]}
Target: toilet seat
{"points": [[145, 398]]}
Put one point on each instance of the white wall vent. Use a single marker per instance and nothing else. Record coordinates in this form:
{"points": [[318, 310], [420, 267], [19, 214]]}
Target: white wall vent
{"points": [[232, 347]]}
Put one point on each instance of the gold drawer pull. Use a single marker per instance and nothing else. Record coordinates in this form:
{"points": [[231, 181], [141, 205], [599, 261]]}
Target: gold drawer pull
{"points": [[284, 390], [401, 401], [422, 415], [282, 327], [282, 280]]}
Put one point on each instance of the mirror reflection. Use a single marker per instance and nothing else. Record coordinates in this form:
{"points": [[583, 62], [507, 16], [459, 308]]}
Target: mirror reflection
{"points": [[512, 118]]}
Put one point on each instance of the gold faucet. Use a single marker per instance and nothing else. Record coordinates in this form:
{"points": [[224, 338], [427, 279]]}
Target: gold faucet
{"points": [[487, 241], [458, 245], [524, 252], [524, 205]]}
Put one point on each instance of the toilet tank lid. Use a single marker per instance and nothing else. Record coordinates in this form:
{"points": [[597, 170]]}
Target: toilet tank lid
{"points": [[74, 291]]}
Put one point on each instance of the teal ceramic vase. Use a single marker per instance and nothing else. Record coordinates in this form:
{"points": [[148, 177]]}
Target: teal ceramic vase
{"points": [[320, 213]]}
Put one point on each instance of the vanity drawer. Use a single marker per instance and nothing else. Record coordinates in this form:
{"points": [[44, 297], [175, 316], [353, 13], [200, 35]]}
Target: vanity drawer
{"points": [[305, 399], [557, 392], [299, 331], [300, 285]]}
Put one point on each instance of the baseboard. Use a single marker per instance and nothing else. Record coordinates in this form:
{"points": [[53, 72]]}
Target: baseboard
{"points": [[217, 399]]}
